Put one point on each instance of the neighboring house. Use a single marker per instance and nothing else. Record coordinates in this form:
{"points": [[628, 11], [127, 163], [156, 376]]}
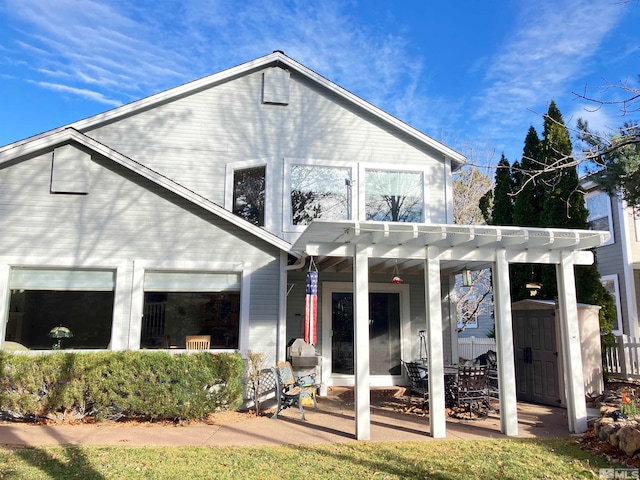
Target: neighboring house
{"points": [[199, 210], [482, 326], [619, 257]]}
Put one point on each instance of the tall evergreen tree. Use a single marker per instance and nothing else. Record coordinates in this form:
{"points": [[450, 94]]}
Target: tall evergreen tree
{"points": [[529, 195], [563, 206], [527, 209], [497, 204], [503, 194]]}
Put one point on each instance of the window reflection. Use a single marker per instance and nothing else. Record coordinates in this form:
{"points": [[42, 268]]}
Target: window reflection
{"points": [[249, 193], [394, 196], [319, 192]]}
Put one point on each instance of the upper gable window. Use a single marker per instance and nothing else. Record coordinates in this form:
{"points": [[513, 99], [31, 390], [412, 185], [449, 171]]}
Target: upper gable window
{"points": [[394, 195], [248, 194], [599, 205], [319, 192]]}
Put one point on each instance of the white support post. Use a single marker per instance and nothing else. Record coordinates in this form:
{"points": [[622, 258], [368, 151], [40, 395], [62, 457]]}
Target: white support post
{"points": [[571, 349], [137, 307], [453, 319], [433, 299], [361, 342], [504, 346], [5, 299]]}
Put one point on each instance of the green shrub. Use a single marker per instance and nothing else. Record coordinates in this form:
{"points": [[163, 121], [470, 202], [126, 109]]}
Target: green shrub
{"points": [[153, 385]]}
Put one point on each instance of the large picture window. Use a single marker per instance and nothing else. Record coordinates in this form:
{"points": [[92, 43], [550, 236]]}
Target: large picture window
{"points": [[392, 195], [249, 186], [319, 192], [42, 300], [179, 304], [599, 205]]}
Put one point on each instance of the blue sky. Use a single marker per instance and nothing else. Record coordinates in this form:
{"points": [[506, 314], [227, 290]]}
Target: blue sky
{"points": [[474, 75]]}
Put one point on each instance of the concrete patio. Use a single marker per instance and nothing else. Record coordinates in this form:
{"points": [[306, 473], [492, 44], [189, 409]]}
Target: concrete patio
{"points": [[332, 422]]}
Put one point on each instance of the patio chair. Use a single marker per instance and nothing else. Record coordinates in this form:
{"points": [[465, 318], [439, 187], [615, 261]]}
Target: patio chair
{"points": [[492, 384], [198, 342], [472, 392], [292, 391], [418, 381]]}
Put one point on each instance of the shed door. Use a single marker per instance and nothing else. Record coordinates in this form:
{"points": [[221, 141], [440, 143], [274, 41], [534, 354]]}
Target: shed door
{"points": [[536, 354]]}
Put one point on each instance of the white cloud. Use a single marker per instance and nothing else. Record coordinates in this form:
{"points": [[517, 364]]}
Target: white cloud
{"points": [[127, 50], [551, 44], [89, 94], [598, 118], [96, 44]]}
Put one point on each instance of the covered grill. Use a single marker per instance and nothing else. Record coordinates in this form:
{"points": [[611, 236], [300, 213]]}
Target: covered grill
{"points": [[302, 355]]}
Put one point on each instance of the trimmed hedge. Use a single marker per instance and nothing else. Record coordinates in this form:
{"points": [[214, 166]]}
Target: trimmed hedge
{"points": [[152, 385]]}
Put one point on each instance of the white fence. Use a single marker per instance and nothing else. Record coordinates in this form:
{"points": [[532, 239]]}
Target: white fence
{"points": [[471, 347], [623, 359]]}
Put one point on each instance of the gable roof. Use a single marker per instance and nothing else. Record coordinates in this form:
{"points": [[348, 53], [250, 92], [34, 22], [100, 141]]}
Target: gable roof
{"points": [[276, 58], [68, 135]]}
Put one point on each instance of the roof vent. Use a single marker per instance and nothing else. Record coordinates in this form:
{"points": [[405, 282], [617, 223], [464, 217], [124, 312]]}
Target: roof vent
{"points": [[275, 86], [278, 51]]}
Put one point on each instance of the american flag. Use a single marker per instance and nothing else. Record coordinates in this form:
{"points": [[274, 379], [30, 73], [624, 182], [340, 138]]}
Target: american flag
{"points": [[311, 309]]}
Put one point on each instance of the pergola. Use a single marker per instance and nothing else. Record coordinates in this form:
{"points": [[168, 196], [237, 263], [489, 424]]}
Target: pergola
{"points": [[447, 249]]}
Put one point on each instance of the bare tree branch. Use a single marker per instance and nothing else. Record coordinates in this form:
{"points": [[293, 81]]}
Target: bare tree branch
{"points": [[629, 104]]}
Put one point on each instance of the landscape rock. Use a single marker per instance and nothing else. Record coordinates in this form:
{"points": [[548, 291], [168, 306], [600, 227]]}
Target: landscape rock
{"points": [[628, 438]]}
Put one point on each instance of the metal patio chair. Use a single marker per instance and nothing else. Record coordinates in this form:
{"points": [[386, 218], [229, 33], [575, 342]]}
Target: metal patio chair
{"points": [[418, 381], [292, 391], [492, 384], [472, 393]]}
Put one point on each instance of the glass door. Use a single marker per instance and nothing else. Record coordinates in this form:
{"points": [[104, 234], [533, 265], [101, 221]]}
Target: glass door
{"points": [[384, 333]]}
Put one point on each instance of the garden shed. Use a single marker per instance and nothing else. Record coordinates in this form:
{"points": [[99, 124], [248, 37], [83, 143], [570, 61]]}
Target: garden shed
{"points": [[538, 354]]}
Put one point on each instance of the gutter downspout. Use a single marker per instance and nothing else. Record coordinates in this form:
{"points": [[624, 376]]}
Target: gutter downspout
{"points": [[281, 336]]}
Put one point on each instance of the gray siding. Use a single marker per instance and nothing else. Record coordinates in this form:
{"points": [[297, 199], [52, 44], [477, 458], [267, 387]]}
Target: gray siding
{"points": [[126, 218], [610, 257], [192, 139]]}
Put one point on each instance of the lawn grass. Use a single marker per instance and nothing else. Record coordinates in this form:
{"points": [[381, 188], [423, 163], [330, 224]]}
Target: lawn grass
{"points": [[448, 459]]}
